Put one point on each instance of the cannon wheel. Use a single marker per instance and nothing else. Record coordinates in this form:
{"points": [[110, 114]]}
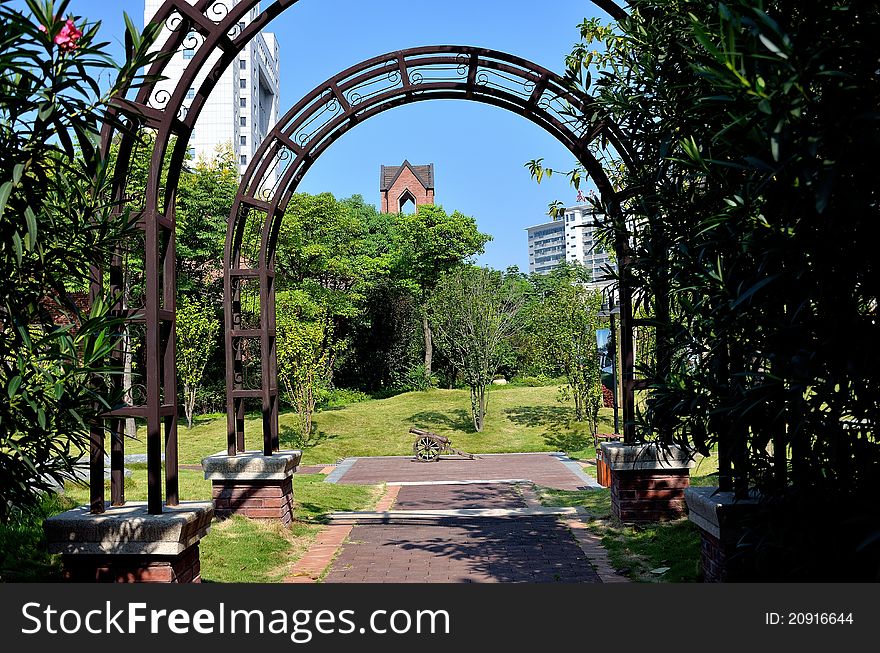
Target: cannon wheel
{"points": [[426, 449]]}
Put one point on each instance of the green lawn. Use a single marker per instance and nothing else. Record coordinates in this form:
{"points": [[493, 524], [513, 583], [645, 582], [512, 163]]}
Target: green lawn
{"points": [[519, 419], [23, 553]]}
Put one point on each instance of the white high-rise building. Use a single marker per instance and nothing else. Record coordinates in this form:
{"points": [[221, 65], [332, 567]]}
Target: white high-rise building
{"points": [[570, 239], [244, 105]]}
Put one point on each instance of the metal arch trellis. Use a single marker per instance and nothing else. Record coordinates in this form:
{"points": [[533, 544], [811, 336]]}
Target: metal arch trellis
{"points": [[207, 28], [331, 110]]}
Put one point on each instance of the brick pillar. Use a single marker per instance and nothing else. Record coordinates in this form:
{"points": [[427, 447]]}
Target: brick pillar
{"points": [[272, 499], [253, 485], [182, 568], [719, 517], [713, 558], [647, 482], [126, 544], [649, 496]]}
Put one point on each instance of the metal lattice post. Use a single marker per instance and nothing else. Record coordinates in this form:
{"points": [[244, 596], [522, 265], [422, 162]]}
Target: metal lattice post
{"points": [[169, 363]]}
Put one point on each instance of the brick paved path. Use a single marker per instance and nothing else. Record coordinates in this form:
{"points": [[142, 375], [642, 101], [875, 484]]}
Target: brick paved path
{"points": [[461, 549], [543, 469], [536, 550], [521, 549], [442, 497]]}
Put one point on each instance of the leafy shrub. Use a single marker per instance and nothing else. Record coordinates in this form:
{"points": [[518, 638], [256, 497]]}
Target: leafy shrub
{"points": [[415, 380], [539, 381], [23, 554], [56, 222], [339, 397], [211, 398]]}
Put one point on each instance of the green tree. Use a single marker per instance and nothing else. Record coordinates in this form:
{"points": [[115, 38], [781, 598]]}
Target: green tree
{"points": [[430, 243], [204, 200], [306, 356], [322, 251], [474, 312], [331, 256], [55, 223], [197, 328], [564, 319]]}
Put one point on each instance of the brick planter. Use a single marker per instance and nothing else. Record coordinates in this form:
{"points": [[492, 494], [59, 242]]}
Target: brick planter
{"points": [[719, 515], [253, 485], [647, 484], [126, 544]]}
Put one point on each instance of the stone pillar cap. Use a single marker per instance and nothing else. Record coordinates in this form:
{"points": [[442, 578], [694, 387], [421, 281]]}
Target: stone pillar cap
{"points": [[708, 508], [251, 466], [129, 529], [620, 456]]}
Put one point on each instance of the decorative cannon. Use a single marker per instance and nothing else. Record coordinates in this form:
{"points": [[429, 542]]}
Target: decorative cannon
{"points": [[429, 446]]}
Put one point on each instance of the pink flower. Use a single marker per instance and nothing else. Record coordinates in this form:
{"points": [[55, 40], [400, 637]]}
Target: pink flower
{"points": [[42, 28], [68, 36]]}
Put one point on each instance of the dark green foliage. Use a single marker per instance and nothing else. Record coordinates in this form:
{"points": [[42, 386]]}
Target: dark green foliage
{"points": [[23, 553], [386, 340], [204, 199], [754, 131], [55, 223]]}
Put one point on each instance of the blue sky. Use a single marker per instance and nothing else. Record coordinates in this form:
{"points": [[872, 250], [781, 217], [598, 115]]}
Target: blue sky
{"points": [[479, 151]]}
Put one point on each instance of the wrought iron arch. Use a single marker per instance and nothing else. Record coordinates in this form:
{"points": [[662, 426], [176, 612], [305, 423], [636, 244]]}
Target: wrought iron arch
{"points": [[216, 34], [323, 116]]}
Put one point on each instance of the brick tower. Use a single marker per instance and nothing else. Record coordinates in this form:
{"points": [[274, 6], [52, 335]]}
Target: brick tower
{"points": [[399, 184]]}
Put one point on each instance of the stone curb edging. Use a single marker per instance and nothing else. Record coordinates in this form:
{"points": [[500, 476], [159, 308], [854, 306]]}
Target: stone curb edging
{"points": [[575, 468], [320, 554], [591, 544], [340, 471], [387, 501], [487, 481]]}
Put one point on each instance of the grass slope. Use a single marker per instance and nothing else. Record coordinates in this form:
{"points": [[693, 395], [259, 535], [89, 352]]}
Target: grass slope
{"points": [[519, 419]]}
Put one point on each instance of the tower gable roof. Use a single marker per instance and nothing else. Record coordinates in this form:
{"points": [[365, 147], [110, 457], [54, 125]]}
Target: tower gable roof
{"points": [[390, 174]]}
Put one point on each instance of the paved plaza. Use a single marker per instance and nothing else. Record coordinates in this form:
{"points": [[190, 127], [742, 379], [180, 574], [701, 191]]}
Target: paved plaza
{"points": [[553, 470]]}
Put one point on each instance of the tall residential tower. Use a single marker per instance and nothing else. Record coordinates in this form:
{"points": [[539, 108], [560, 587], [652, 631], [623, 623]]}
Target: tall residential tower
{"points": [[571, 239], [244, 105]]}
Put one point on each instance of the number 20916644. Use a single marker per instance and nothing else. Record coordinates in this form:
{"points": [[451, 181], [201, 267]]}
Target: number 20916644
{"points": [[808, 618]]}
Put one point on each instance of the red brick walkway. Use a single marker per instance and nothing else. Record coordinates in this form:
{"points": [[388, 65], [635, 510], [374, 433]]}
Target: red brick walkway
{"points": [[442, 497], [457, 549], [532, 550]]}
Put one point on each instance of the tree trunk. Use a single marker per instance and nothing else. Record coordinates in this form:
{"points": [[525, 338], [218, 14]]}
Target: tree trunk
{"points": [[127, 374], [577, 392], [127, 362], [189, 402], [478, 406], [429, 346]]}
